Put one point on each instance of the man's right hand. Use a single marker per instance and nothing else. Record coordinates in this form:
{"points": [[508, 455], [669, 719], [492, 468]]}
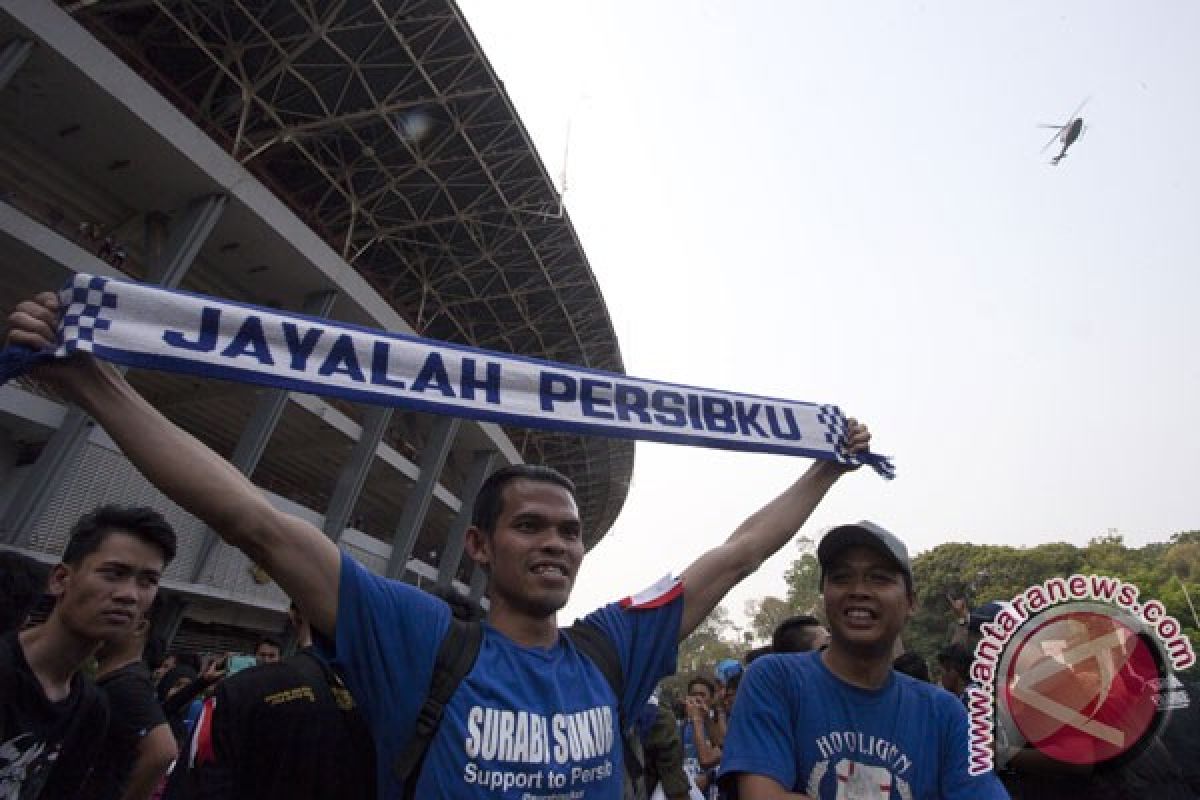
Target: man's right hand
{"points": [[34, 324]]}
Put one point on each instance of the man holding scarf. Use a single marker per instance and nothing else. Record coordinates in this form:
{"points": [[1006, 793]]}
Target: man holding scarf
{"points": [[534, 718]]}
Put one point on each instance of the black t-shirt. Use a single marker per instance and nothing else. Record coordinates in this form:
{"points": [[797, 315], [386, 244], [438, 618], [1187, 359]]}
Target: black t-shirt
{"points": [[287, 730], [134, 713], [46, 748]]}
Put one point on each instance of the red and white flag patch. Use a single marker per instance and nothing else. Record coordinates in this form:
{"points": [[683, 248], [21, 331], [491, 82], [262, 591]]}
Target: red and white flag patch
{"points": [[202, 743], [655, 596]]}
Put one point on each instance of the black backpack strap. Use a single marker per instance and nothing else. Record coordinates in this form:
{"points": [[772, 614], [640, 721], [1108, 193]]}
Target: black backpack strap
{"points": [[595, 644], [455, 657]]}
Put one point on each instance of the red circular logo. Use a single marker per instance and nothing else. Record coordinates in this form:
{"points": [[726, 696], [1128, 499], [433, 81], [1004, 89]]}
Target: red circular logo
{"points": [[1081, 687]]}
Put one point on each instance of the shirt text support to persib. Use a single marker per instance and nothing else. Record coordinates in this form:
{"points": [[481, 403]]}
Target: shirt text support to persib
{"points": [[527, 723]]}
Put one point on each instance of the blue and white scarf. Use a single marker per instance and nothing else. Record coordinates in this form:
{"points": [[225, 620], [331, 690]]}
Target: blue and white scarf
{"points": [[147, 326]]}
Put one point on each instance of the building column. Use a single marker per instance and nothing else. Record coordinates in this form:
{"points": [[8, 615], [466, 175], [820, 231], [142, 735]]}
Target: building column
{"points": [[12, 58], [185, 240], [168, 619], [67, 443], [259, 430], [433, 458], [354, 472], [452, 551]]}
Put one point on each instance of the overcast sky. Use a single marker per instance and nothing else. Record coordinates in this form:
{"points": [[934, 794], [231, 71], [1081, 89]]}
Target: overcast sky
{"points": [[846, 203]]}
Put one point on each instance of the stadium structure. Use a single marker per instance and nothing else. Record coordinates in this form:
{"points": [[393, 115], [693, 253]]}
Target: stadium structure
{"points": [[357, 160]]}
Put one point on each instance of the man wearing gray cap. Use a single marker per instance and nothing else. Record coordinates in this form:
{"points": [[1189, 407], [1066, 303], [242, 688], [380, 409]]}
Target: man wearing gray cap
{"points": [[840, 723]]}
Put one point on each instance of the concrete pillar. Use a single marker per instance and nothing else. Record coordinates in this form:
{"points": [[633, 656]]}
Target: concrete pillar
{"points": [[67, 443], [12, 57], [452, 551], [433, 458], [185, 240], [354, 472]]}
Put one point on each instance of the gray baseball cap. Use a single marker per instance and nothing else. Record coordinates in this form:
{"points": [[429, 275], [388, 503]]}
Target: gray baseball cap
{"points": [[864, 533]]}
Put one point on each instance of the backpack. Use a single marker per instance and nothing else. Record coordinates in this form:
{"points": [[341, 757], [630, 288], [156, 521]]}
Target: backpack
{"points": [[456, 655]]}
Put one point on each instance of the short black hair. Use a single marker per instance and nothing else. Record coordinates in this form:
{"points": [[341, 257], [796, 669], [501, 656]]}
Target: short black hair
{"points": [[703, 681], [758, 652], [955, 657], [140, 522], [22, 584], [793, 634], [271, 640], [913, 665], [489, 502]]}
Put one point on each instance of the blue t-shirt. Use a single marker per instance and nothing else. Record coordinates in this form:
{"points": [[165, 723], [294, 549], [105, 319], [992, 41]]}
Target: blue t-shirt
{"points": [[691, 754], [799, 724], [525, 723]]}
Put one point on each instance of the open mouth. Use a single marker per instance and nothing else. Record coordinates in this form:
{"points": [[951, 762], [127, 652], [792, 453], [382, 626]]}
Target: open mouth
{"points": [[117, 617], [860, 616], [549, 571]]}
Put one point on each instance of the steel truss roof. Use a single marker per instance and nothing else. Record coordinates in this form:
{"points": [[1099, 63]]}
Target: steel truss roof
{"points": [[385, 129]]}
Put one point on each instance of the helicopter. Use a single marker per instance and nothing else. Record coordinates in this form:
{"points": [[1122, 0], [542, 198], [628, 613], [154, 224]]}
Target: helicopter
{"points": [[1067, 133]]}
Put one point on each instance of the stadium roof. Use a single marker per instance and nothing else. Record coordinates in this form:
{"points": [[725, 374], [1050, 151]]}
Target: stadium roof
{"points": [[385, 129]]}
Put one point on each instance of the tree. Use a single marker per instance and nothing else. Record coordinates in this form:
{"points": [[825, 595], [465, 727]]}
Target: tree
{"points": [[803, 578], [714, 639], [766, 614]]}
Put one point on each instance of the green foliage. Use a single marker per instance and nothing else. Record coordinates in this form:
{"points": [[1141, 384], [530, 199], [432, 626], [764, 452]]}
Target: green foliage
{"points": [[766, 614], [714, 639], [803, 579]]}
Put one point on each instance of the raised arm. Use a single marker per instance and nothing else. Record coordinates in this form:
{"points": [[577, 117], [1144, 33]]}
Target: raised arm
{"points": [[300, 558], [712, 575]]}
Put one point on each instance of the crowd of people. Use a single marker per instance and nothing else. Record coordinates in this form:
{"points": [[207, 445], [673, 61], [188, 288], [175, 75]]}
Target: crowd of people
{"points": [[394, 692]]}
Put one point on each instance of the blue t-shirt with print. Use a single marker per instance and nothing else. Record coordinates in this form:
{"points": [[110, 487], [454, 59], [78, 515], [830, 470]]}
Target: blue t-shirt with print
{"points": [[799, 724], [525, 723]]}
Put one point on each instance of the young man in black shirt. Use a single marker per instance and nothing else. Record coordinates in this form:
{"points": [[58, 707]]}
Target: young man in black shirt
{"points": [[52, 720], [140, 746]]}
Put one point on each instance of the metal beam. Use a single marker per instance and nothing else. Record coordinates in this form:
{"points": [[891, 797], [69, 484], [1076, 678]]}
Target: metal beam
{"points": [[12, 58], [271, 402], [168, 619], [433, 458], [354, 472], [185, 240], [452, 551], [259, 430], [44, 478]]}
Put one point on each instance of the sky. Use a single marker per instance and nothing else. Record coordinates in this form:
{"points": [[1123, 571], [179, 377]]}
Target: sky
{"points": [[846, 203]]}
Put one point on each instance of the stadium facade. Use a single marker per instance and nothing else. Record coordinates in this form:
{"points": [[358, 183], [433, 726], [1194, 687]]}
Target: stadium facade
{"points": [[357, 160]]}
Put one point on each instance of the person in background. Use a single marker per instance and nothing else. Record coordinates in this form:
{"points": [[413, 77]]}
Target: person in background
{"points": [[288, 730], [912, 665], [954, 665], [840, 722], [139, 747], [700, 754], [799, 634], [267, 650], [52, 718], [22, 584]]}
